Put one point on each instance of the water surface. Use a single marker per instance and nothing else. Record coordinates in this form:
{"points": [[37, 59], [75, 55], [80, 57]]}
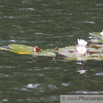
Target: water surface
{"points": [[47, 24]]}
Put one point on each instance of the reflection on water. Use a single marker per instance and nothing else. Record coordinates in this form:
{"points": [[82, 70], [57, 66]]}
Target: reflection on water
{"points": [[45, 24]]}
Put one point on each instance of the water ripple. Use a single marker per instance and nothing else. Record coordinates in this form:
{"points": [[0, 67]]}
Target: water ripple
{"points": [[32, 85], [51, 86], [2, 75], [26, 9], [87, 92]]}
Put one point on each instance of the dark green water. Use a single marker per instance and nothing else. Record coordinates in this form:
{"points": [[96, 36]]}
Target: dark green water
{"points": [[47, 24]]}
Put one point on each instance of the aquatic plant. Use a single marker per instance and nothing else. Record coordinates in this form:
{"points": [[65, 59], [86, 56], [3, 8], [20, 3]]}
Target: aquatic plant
{"points": [[78, 52]]}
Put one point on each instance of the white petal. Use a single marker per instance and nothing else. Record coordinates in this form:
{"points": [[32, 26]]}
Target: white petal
{"points": [[101, 33], [81, 49], [82, 42]]}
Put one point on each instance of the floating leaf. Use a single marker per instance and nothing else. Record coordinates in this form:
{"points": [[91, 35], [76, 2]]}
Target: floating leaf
{"points": [[68, 49], [97, 55], [76, 56], [71, 58], [96, 34], [23, 52], [97, 40], [49, 54], [94, 46], [98, 58], [67, 54], [21, 48], [80, 57], [65, 49], [93, 50], [3, 48]]}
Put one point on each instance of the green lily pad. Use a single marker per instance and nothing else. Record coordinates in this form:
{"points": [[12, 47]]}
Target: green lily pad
{"points": [[97, 55], [85, 57], [96, 34], [97, 40], [21, 48], [80, 57], [99, 58], [65, 49], [69, 53], [96, 46], [74, 56], [94, 51], [49, 54]]}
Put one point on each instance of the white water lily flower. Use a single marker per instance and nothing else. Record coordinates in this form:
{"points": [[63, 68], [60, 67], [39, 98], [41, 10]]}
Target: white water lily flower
{"points": [[101, 33], [81, 49], [82, 42]]}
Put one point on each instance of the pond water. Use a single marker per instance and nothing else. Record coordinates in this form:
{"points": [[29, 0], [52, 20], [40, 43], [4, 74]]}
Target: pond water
{"points": [[47, 24]]}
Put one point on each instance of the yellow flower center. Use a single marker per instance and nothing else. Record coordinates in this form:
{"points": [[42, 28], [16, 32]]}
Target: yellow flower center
{"points": [[81, 50]]}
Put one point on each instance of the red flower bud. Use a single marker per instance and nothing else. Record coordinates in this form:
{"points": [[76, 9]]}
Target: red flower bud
{"points": [[36, 49]]}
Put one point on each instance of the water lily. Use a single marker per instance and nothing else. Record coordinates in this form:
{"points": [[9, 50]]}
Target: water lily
{"points": [[81, 49], [101, 33], [82, 42]]}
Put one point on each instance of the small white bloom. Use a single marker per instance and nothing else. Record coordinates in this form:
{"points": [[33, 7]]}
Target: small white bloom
{"points": [[82, 42], [101, 33], [81, 49], [81, 71]]}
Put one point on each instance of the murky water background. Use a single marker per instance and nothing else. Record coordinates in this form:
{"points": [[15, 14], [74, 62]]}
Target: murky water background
{"points": [[47, 24]]}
